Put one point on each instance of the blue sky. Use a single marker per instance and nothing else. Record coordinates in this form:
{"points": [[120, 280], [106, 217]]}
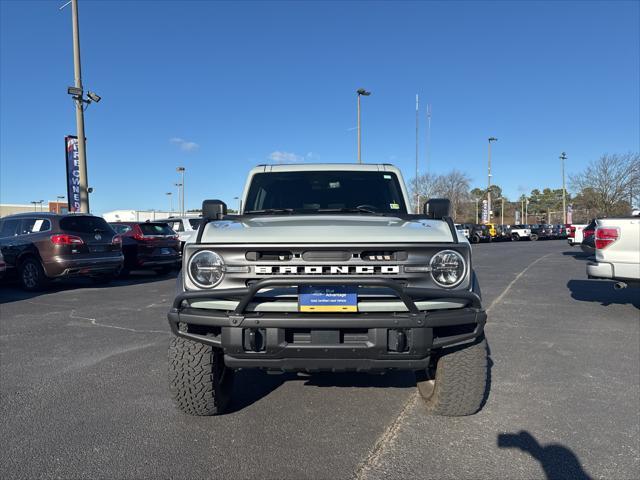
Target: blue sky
{"points": [[220, 87]]}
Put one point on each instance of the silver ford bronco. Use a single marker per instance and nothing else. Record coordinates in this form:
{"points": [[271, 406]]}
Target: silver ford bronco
{"points": [[325, 269]]}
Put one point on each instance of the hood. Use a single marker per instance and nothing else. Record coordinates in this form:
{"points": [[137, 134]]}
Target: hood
{"points": [[326, 229]]}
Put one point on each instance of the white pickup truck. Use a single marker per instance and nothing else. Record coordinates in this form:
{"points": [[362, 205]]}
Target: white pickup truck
{"points": [[575, 234], [617, 255]]}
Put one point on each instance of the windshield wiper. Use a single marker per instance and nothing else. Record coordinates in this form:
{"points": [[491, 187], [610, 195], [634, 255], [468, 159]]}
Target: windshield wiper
{"points": [[271, 210], [358, 209]]}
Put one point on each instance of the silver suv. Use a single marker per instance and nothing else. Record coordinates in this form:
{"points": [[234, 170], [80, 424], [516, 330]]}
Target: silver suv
{"points": [[324, 269]]}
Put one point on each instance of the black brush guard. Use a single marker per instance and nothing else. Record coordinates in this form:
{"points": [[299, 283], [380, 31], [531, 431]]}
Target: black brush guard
{"points": [[426, 330]]}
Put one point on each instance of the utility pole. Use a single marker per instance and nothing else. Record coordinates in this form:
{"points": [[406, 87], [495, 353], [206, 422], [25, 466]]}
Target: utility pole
{"points": [[477, 219], [416, 181], [82, 150], [181, 170], [526, 210], [360, 92], [428, 146], [563, 157], [491, 139]]}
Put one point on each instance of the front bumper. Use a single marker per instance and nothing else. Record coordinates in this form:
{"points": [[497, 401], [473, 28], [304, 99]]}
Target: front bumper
{"points": [[334, 342]]}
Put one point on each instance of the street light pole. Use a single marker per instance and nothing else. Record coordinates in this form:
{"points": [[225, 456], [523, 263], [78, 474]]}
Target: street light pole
{"points": [[477, 219], [170, 195], [416, 181], [563, 157], [181, 170], [179, 185], [491, 139], [360, 92], [526, 211], [82, 151]]}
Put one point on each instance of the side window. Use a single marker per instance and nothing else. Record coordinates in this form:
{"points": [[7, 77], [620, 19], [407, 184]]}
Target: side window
{"points": [[177, 226], [34, 225], [9, 228], [121, 229]]}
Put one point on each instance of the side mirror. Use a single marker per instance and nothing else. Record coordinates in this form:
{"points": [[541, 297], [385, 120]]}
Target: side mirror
{"points": [[437, 208], [213, 209]]}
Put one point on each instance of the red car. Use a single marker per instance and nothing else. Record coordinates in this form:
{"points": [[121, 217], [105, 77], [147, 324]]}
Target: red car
{"points": [[148, 245]]}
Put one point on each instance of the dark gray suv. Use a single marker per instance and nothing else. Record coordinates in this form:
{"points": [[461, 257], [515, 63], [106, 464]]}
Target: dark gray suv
{"points": [[39, 247]]}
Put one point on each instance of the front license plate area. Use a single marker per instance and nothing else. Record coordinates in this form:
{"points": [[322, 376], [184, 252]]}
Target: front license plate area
{"points": [[327, 298]]}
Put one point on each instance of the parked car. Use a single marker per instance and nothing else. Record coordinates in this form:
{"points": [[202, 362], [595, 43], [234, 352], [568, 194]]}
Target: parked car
{"points": [[463, 229], [3, 266], [617, 256], [492, 230], [477, 233], [148, 245], [503, 232], [40, 247], [520, 232], [185, 227], [575, 234], [539, 232], [588, 244]]}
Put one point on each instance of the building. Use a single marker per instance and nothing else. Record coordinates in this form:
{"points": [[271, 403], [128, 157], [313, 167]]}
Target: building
{"points": [[53, 206], [136, 215]]}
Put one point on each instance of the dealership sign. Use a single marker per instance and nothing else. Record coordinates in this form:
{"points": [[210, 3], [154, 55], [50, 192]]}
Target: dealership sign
{"points": [[73, 172], [485, 211]]}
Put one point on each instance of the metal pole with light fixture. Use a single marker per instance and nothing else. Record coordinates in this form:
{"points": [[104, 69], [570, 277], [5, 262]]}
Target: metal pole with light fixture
{"points": [[360, 92], [491, 139], [477, 213], [181, 170], [170, 195], [563, 157], [417, 137], [179, 186]]}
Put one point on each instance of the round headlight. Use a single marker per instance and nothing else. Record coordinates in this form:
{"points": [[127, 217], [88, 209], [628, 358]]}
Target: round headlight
{"points": [[447, 268], [206, 269]]}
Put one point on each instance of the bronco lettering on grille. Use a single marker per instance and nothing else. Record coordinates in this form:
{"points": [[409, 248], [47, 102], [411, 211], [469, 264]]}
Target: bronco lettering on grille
{"points": [[328, 270]]}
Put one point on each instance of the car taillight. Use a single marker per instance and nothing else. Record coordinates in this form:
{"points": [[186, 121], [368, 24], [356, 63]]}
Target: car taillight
{"points": [[64, 239], [605, 236], [117, 240], [572, 232]]}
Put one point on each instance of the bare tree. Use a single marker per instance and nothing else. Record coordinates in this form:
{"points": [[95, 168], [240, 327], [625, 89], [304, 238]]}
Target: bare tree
{"points": [[453, 185], [610, 183]]}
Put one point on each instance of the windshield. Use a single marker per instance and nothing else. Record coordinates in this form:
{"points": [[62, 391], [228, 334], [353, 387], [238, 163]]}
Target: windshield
{"points": [[318, 191]]}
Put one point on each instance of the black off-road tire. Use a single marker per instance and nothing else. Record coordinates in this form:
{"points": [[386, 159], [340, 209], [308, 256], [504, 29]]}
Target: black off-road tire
{"points": [[533, 237], [475, 239], [457, 382], [199, 382], [515, 237], [31, 275]]}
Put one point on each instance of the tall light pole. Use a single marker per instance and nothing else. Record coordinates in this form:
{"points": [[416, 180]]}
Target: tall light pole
{"points": [[170, 195], [477, 219], [563, 157], [77, 73], [491, 139], [179, 186], [360, 92], [34, 202], [526, 210], [416, 181], [181, 170]]}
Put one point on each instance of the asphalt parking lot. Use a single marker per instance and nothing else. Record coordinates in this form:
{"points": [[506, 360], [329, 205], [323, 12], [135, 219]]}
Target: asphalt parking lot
{"points": [[84, 391]]}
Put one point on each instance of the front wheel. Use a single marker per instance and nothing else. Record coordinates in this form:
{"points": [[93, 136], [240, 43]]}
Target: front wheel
{"points": [[32, 276], [515, 237], [475, 239], [533, 237], [456, 382], [199, 381]]}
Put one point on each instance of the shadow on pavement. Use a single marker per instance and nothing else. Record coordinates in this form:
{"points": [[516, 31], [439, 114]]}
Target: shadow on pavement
{"points": [[577, 254], [602, 291], [250, 386], [10, 291], [557, 461]]}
